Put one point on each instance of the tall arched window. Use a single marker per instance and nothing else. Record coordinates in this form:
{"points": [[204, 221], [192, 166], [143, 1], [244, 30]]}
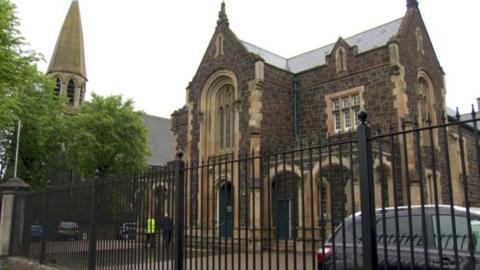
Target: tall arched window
{"points": [[426, 108], [424, 101], [219, 108], [225, 116], [82, 93], [71, 91], [58, 85]]}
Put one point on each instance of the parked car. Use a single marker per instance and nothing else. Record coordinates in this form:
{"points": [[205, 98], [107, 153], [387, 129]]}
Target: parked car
{"points": [[36, 232], [128, 230], [68, 230], [339, 254]]}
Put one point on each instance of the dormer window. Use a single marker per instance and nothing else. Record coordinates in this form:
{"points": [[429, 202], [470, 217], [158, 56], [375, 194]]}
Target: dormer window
{"points": [[71, 91], [341, 59]]}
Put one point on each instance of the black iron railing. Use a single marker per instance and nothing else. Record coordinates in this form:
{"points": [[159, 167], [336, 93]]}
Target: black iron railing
{"points": [[414, 191]]}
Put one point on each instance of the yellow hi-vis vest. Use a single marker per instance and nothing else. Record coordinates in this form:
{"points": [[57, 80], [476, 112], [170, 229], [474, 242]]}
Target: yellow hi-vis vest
{"points": [[151, 225]]}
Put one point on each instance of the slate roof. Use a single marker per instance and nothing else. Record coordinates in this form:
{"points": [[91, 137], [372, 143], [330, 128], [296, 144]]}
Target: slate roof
{"points": [[69, 54], [365, 41], [463, 117], [160, 140]]}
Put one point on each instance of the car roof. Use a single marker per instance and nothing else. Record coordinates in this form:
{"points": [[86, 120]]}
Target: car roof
{"points": [[416, 210]]}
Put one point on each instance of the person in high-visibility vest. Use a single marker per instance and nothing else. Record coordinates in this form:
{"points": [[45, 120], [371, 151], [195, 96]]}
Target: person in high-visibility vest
{"points": [[150, 232]]}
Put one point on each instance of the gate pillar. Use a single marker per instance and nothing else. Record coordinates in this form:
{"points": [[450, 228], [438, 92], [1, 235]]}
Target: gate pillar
{"points": [[13, 214]]}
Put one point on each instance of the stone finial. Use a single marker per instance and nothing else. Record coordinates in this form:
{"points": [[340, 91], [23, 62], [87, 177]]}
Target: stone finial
{"points": [[179, 154], [14, 184], [362, 116], [222, 15], [412, 4]]}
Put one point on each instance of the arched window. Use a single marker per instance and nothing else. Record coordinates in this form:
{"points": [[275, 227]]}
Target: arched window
{"points": [[424, 101], [58, 85], [219, 104], [341, 59], [71, 91], [324, 202], [82, 93], [225, 116]]}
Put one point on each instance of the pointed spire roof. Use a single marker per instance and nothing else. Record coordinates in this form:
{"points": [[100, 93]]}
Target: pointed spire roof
{"points": [[69, 55], [222, 15], [412, 4]]}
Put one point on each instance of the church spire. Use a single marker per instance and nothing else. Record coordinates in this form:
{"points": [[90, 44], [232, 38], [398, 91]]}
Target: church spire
{"points": [[69, 55], [412, 4], [222, 15]]}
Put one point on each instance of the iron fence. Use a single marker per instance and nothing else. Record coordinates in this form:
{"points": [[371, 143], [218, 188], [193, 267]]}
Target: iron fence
{"points": [[404, 198]]}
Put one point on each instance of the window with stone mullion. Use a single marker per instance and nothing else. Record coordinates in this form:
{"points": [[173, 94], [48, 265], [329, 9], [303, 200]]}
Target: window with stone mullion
{"points": [[225, 118], [228, 131], [221, 128]]}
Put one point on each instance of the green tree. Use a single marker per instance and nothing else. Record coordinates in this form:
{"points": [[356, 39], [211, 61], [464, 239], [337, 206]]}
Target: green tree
{"points": [[109, 135], [27, 95]]}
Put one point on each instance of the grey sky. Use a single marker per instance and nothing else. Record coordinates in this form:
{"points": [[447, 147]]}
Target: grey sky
{"points": [[149, 50]]}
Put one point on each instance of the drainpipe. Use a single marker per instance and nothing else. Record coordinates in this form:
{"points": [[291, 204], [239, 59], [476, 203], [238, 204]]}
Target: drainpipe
{"points": [[295, 107]]}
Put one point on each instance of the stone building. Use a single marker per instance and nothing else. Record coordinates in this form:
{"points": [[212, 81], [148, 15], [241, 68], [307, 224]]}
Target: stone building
{"points": [[243, 98]]}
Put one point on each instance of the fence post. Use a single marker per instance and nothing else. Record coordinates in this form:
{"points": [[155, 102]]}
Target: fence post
{"points": [[179, 210], [367, 194], [92, 238], [12, 215], [44, 222]]}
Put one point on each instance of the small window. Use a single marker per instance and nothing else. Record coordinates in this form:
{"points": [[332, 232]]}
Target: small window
{"points": [[340, 59], [71, 91], [58, 85], [82, 94], [323, 202], [419, 37]]}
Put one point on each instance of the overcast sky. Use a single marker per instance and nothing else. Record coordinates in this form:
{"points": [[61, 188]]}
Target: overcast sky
{"points": [[149, 50]]}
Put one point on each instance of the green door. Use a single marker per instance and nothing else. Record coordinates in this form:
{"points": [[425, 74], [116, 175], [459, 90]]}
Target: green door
{"points": [[283, 219], [225, 211]]}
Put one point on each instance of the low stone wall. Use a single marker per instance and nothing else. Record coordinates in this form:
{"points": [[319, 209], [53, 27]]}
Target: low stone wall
{"points": [[17, 263]]}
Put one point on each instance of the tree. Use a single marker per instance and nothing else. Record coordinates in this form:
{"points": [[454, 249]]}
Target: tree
{"points": [[107, 134], [27, 95]]}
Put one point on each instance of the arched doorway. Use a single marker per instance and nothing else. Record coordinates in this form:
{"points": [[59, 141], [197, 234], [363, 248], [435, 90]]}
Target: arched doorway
{"points": [[285, 204], [225, 210]]}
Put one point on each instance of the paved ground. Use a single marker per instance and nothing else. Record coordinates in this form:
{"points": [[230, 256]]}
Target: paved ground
{"points": [[121, 254]]}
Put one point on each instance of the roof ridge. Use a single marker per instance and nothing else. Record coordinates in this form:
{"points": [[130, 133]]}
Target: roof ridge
{"points": [[398, 19], [352, 36], [156, 116], [264, 49]]}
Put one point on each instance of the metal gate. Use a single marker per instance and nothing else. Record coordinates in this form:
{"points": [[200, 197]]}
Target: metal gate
{"points": [[401, 198]]}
